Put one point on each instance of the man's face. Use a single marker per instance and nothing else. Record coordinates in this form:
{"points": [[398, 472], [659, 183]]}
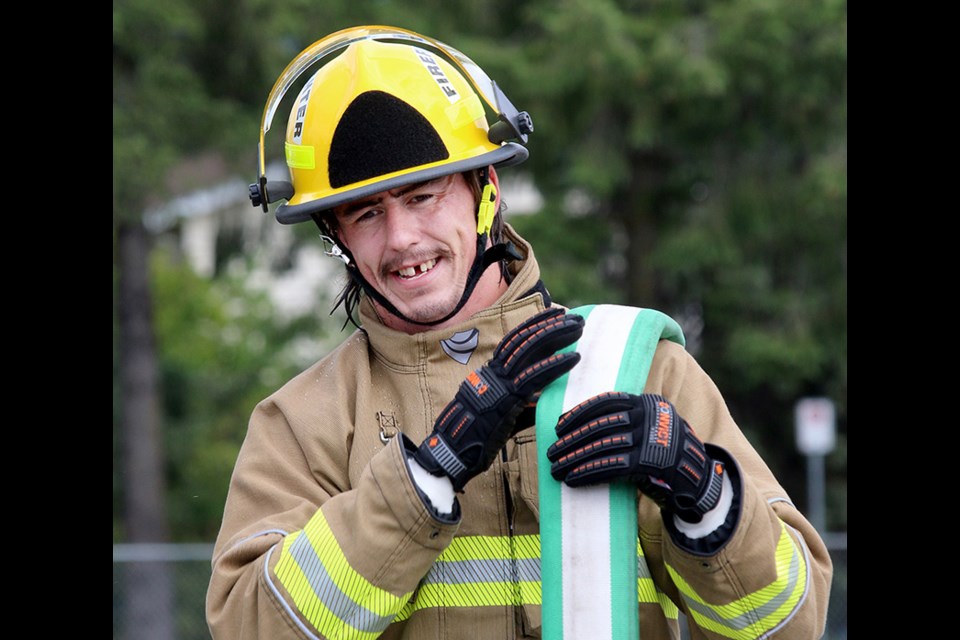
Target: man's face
{"points": [[414, 244]]}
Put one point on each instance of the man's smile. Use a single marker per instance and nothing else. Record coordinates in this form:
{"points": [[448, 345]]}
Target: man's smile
{"points": [[414, 271]]}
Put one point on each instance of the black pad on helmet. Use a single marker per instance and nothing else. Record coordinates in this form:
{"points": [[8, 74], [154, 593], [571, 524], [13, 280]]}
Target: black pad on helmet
{"points": [[379, 134]]}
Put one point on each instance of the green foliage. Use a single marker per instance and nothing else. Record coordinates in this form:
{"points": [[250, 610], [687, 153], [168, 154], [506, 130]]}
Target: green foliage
{"points": [[186, 80], [707, 138], [571, 253], [711, 140], [223, 349]]}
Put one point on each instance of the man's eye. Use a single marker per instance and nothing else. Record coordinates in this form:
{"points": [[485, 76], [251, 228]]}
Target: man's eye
{"points": [[421, 197]]}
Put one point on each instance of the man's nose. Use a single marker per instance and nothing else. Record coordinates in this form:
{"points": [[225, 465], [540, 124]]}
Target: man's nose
{"points": [[403, 227]]}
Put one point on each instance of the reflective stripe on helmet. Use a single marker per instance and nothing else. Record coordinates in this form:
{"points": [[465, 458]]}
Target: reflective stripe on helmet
{"points": [[300, 156]]}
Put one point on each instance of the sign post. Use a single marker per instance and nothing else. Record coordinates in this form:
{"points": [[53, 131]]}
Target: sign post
{"points": [[816, 437]]}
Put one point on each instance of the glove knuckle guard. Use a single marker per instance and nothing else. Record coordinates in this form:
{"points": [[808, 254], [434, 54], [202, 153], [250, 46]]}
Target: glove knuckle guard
{"points": [[617, 435], [476, 424], [601, 433], [542, 373], [537, 338], [597, 470], [445, 457], [591, 408]]}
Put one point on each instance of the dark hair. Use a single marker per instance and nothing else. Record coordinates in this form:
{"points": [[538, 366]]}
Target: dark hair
{"points": [[349, 296]]}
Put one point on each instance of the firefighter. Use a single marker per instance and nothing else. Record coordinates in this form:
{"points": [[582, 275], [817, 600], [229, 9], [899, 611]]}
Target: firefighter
{"points": [[391, 489]]}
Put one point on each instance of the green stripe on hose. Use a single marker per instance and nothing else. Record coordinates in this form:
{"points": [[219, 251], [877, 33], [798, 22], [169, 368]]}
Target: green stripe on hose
{"points": [[633, 364]]}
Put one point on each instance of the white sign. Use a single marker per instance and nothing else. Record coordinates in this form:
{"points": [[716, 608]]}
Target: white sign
{"points": [[816, 426]]}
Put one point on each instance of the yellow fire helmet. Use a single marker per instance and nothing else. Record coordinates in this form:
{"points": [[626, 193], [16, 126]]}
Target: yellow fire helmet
{"points": [[387, 107]]}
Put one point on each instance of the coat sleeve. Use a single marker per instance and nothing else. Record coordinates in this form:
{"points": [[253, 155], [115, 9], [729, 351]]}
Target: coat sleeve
{"points": [[302, 555], [771, 576]]}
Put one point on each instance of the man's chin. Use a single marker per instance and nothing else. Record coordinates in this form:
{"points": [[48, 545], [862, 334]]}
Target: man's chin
{"points": [[424, 310]]}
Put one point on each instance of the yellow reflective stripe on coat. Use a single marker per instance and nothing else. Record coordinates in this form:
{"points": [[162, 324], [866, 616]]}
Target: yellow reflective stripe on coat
{"points": [[338, 601], [647, 592], [763, 610], [477, 571]]}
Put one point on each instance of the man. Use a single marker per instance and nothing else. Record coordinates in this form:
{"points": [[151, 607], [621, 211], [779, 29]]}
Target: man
{"points": [[391, 489]]}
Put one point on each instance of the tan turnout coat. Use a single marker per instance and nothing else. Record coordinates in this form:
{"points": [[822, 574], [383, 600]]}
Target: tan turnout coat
{"points": [[324, 534]]}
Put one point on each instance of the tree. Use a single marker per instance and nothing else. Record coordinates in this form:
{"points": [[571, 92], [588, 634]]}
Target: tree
{"points": [[706, 143], [678, 128], [692, 157], [160, 112], [149, 610]]}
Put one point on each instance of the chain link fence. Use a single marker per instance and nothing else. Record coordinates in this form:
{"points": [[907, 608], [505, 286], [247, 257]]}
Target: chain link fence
{"points": [[159, 591]]}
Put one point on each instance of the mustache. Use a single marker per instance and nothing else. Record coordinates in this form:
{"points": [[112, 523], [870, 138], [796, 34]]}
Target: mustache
{"points": [[410, 258]]}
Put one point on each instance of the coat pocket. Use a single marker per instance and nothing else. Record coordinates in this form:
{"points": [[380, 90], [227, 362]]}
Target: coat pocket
{"points": [[522, 471]]}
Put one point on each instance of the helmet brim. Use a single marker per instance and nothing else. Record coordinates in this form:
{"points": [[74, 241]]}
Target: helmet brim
{"points": [[508, 154]]}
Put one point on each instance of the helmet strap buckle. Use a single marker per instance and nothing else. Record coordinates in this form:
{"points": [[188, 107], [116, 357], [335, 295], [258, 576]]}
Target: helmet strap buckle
{"points": [[486, 211], [332, 249]]}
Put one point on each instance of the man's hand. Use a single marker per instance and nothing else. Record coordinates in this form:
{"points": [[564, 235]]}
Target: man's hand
{"points": [[640, 438], [472, 429]]}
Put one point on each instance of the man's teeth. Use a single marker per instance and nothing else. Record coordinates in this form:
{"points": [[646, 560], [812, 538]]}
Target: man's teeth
{"points": [[409, 272]]}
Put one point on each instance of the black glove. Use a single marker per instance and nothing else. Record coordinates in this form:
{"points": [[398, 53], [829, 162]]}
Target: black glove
{"points": [[480, 419], [641, 438]]}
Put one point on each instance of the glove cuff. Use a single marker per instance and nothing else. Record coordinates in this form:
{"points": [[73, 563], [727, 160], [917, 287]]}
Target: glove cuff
{"points": [[708, 500], [413, 455], [711, 543], [436, 457], [709, 495]]}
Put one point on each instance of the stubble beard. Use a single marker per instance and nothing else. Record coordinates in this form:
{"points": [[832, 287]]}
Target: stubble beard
{"points": [[434, 310], [425, 310]]}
